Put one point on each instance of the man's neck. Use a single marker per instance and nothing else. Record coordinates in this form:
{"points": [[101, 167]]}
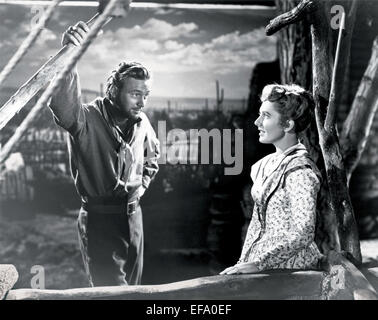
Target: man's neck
{"points": [[117, 119]]}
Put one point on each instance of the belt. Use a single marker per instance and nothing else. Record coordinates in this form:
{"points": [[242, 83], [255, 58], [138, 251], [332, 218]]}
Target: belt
{"points": [[109, 204]]}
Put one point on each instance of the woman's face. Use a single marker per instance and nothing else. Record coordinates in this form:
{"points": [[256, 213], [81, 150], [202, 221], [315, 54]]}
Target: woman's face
{"points": [[269, 124]]}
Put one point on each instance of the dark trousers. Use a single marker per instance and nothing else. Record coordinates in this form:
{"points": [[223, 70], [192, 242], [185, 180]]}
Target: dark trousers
{"points": [[111, 243]]}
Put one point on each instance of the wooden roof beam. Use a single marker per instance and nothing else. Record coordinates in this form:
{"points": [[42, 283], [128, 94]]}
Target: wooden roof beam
{"points": [[179, 4]]}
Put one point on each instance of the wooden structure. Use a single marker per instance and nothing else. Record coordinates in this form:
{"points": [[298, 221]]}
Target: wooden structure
{"points": [[340, 280], [16, 185]]}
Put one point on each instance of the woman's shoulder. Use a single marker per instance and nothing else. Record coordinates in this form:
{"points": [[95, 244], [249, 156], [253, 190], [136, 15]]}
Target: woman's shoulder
{"points": [[301, 161], [302, 169]]}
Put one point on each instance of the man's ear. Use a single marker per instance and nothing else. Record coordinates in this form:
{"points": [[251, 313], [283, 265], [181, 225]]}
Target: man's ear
{"points": [[290, 124]]}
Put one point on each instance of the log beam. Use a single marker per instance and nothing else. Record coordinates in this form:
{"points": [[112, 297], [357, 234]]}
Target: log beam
{"points": [[296, 14], [276, 285], [151, 3]]}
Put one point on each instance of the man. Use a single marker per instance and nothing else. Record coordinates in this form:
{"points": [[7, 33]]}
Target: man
{"points": [[110, 167]]}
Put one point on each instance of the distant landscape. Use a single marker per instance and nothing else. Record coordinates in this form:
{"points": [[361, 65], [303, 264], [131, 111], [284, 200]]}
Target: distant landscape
{"points": [[158, 103]]}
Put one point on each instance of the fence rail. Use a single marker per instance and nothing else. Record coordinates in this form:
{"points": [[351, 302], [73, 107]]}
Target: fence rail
{"points": [[340, 280]]}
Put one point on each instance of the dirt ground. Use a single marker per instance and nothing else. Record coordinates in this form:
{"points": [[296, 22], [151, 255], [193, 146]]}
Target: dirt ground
{"points": [[51, 241]]}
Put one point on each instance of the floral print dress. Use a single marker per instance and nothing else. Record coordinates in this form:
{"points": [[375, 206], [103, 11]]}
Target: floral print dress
{"points": [[282, 229]]}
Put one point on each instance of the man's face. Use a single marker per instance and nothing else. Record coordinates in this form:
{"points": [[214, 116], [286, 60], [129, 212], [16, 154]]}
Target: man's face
{"points": [[133, 97]]}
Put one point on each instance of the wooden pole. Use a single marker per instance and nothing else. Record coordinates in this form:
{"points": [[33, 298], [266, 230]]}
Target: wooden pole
{"points": [[332, 107], [146, 3], [28, 42], [38, 81]]}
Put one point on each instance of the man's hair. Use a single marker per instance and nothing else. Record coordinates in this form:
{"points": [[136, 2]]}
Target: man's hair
{"points": [[292, 102], [125, 70]]}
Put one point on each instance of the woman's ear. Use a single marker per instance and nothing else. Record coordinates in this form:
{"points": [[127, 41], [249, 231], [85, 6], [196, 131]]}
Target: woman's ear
{"points": [[289, 125]]}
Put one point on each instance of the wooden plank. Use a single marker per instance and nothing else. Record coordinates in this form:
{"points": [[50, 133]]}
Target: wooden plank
{"points": [[217, 5], [230, 2], [278, 285], [236, 2]]}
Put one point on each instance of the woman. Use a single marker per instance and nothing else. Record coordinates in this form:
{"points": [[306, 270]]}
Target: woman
{"points": [[285, 187]]}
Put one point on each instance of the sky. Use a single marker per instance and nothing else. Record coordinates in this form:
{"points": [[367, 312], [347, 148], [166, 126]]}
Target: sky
{"points": [[187, 50]]}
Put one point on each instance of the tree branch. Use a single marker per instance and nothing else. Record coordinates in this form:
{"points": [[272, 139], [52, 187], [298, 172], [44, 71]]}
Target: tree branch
{"points": [[332, 107], [342, 66], [357, 126], [294, 15]]}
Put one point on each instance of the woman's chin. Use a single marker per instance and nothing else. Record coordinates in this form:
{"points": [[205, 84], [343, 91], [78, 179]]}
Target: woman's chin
{"points": [[262, 140]]}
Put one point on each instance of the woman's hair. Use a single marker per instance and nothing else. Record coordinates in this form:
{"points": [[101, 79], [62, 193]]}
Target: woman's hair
{"points": [[125, 70], [292, 102]]}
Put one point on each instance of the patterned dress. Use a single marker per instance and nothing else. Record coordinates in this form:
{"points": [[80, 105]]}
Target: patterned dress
{"points": [[282, 229]]}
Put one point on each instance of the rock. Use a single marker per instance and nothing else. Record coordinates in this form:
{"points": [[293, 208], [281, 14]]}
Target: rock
{"points": [[8, 277]]}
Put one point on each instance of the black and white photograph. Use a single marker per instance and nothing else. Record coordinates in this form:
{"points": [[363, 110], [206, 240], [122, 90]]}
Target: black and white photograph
{"points": [[189, 154]]}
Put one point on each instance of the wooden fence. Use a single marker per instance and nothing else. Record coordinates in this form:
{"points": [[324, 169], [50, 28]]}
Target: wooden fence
{"points": [[17, 184]]}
